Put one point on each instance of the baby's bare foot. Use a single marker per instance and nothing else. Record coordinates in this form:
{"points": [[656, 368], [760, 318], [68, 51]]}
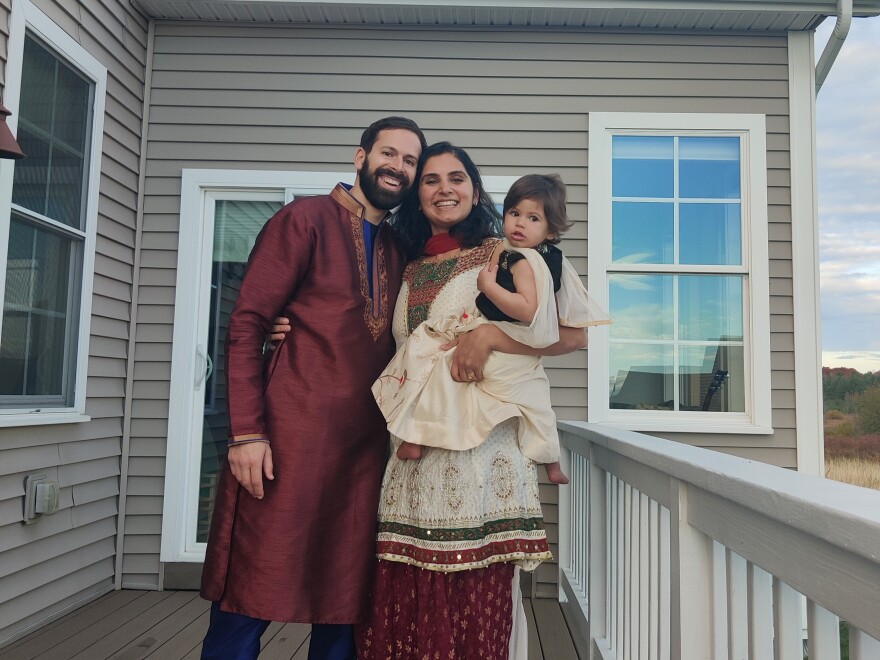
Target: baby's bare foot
{"points": [[410, 452], [555, 474]]}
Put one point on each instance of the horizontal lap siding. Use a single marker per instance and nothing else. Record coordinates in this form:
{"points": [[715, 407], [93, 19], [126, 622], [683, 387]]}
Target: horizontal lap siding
{"points": [[287, 98], [66, 558]]}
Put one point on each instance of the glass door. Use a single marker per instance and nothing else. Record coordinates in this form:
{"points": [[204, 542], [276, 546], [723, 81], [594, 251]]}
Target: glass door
{"points": [[236, 225]]}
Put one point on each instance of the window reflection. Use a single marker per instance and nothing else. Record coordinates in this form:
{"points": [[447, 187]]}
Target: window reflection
{"points": [[642, 166], [641, 306], [710, 307], [643, 232], [709, 167]]}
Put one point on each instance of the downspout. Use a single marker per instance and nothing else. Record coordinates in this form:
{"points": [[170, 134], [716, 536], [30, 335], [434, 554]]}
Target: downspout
{"points": [[835, 43], [132, 334]]}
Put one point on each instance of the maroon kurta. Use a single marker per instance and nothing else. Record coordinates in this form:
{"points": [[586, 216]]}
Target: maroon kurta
{"points": [[305, 552]]}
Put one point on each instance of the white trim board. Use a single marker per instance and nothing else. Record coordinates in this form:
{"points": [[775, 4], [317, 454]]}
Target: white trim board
{"points": [[805, 255]]}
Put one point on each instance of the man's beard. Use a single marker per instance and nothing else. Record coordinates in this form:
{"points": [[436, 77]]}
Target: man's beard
{"points": [[380, 197]]}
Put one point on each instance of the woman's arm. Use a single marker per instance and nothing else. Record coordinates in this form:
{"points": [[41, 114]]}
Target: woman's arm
{"points": [[473, 348]]}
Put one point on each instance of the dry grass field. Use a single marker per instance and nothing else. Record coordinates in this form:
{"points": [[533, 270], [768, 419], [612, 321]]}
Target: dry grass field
{"points": [[849, 457]]}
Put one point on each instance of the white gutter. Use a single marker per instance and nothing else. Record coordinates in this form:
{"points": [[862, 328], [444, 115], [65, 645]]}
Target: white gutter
{"points": [[835, 43]]}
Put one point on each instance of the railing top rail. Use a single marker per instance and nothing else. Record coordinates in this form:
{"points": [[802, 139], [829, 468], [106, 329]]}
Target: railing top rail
{"points": [[847, 515]]}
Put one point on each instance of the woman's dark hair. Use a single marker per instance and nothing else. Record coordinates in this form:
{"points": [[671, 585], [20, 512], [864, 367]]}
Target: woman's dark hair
{"points": [[550, 191], [412, 227]]}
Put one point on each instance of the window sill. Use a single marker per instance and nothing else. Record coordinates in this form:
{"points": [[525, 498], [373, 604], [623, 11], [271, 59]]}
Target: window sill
{"points": [[687, 426], [43, 418]]}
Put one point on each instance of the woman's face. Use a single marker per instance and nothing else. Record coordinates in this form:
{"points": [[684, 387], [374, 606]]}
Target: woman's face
{"points": [[446, 193]]}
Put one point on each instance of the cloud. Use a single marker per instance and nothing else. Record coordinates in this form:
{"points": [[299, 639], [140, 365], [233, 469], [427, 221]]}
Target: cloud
{"points": [[848, 143]]}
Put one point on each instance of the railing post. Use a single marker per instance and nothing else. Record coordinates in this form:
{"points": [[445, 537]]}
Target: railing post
{"points": [[598, 563], [565, 518], [691, 579]]}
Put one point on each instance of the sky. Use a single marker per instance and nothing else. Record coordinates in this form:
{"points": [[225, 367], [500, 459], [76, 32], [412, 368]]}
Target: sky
{"points": [[848, 134]]}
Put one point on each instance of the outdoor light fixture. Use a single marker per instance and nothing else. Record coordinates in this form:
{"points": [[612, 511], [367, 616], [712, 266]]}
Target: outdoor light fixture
{"points": [[8, 146]]}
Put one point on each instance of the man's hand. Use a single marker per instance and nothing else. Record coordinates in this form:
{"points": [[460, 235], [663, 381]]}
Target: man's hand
{"points": [[249, 462], [472, 349], [280, 328]]}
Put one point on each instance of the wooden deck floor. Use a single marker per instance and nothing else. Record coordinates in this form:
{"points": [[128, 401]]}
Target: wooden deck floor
{"points": [[169, 625]]}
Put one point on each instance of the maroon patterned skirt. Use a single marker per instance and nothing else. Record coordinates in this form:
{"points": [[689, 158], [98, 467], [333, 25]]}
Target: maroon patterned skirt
{"points": [[422, 614]]}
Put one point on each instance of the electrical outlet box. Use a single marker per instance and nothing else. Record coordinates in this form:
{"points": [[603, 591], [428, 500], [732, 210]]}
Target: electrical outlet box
{"points": [[40, 497]]}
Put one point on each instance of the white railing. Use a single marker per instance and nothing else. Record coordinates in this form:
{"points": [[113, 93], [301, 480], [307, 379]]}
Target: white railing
{"points": [[671, 552]]}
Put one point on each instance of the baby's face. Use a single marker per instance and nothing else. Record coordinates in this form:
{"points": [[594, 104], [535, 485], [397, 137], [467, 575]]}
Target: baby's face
{"points": [[525, 225]]}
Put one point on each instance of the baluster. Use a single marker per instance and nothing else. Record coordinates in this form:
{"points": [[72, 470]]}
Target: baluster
{"points": [[644, 605], [630, 577], [824, 633], [664, 627], [787, 642], [620, 564], [862, 646], [599, 522], [760, 613], [737, 608], [719, 600]]}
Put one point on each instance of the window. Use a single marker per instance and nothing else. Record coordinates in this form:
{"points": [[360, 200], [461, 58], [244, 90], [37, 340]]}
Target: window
{"points": [[678, 256], [48, 215]]}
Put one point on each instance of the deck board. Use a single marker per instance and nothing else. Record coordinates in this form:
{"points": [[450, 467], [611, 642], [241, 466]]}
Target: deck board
{"points": [[553, 630], [169, 625]]}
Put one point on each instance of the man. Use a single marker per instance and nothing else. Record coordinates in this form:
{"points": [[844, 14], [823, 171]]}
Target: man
{"points": [[294, 525]]}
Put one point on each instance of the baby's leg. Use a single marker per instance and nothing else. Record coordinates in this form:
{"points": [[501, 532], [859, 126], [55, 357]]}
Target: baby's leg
{"points": [[410, 452], [554, 473]]}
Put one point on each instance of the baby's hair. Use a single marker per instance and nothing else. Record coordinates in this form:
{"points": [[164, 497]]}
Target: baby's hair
{"points": [[550, 191]]}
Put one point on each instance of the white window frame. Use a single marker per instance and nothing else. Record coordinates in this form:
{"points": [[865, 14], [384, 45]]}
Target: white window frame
{"points": [[757, 418], [200, 188], [26, 17]]}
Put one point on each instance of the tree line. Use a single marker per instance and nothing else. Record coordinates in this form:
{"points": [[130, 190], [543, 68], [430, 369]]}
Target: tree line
{"points": [[851, 392]]}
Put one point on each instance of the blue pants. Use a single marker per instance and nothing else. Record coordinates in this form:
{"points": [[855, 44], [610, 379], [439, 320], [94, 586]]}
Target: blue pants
{"points": [[237, 637]]}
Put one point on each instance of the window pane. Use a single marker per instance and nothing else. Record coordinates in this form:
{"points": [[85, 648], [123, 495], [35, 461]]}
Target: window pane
{"points": [[709, 167], [642, 166], [641, 306], [710, 234], [711, 379], [36, 323], [710, 307], [53, 132], [642, 232], [37, 86], [642, 376]]}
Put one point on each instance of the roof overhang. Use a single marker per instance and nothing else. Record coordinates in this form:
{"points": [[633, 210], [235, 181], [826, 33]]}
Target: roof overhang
{"points": [[725, 15]]}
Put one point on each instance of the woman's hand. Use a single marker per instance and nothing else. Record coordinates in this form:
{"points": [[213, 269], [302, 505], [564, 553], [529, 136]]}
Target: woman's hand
{"points": [[280, 328], [472, 349]]}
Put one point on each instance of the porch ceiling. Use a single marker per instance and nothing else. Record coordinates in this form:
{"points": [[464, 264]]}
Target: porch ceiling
{"points": [[714, 15]]}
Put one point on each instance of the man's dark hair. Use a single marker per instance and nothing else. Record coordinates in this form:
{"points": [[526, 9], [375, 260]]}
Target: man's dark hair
{"points": [[368, 138]]}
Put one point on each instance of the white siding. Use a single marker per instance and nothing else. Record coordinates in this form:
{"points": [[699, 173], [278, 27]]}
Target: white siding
{"points": [[67, 558], [261, 97]]}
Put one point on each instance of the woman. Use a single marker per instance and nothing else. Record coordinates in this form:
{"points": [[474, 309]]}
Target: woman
{"points": [[454, 525]]}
